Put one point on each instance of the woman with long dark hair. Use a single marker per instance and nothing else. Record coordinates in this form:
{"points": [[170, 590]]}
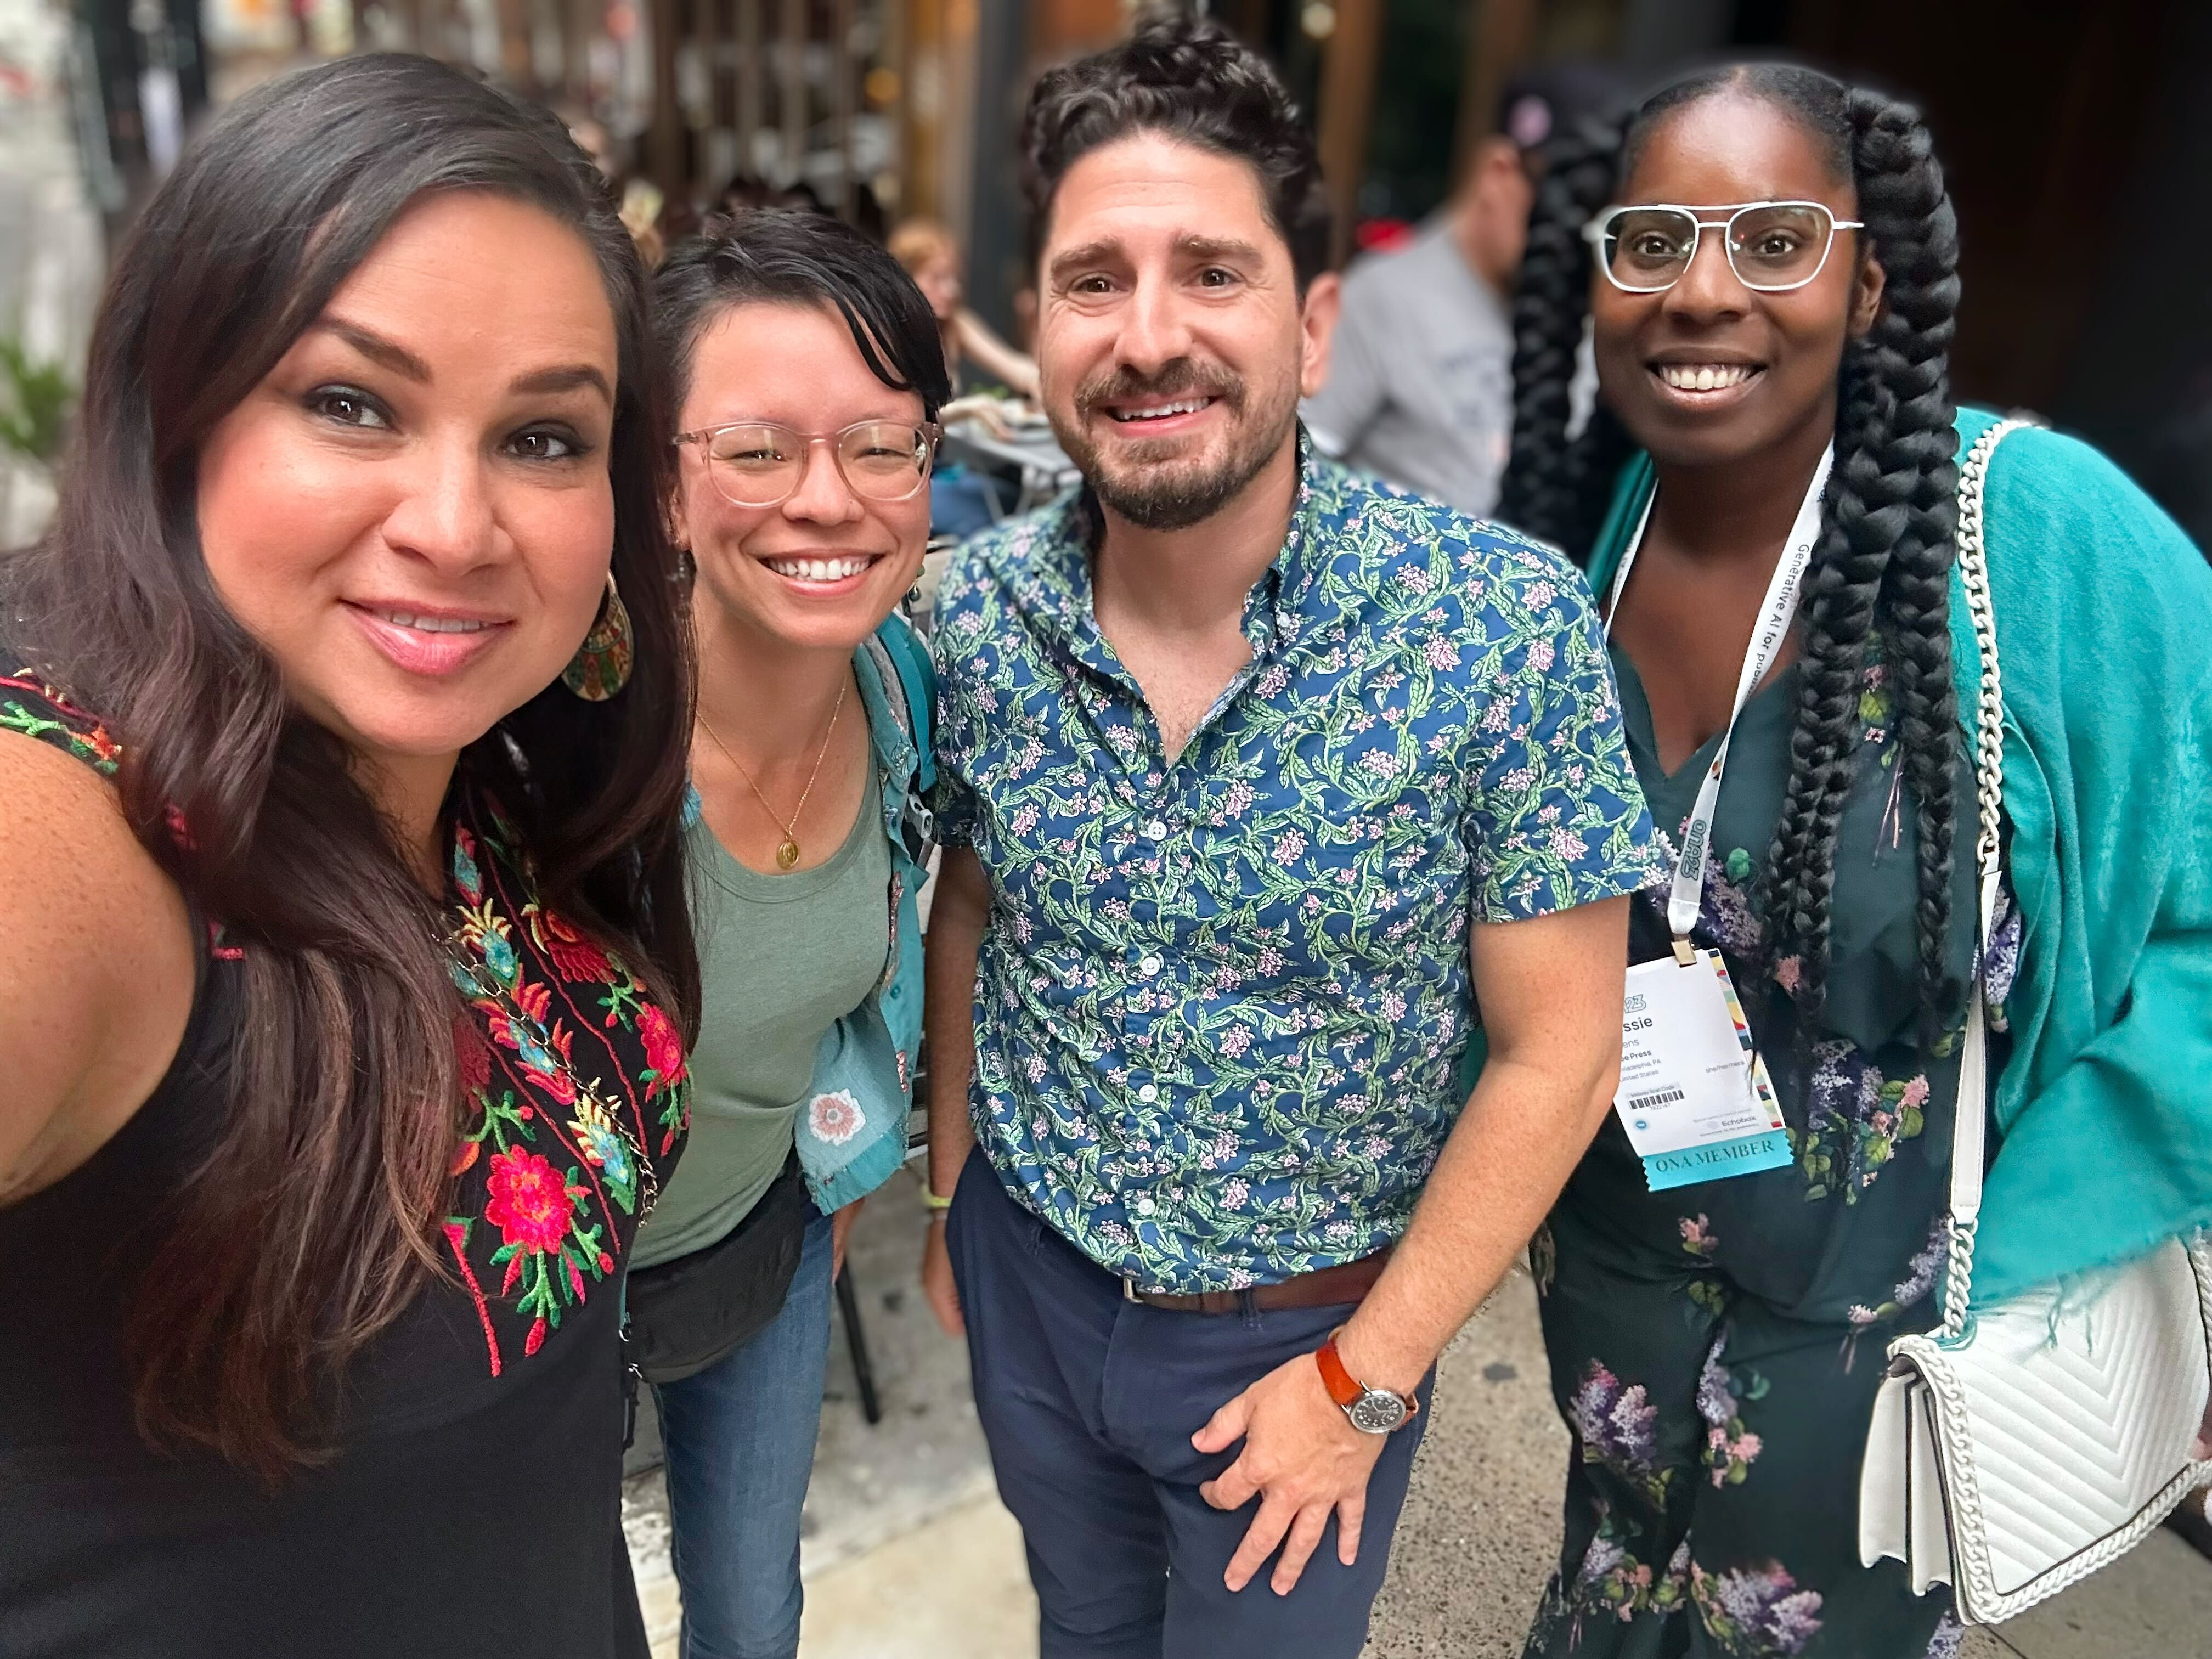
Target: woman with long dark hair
{"points": [[1768, 263], [349, 978]]}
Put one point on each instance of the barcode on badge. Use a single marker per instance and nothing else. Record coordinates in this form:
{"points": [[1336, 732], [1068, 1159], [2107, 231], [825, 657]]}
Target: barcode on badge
{"points": [[1657, 1097]]}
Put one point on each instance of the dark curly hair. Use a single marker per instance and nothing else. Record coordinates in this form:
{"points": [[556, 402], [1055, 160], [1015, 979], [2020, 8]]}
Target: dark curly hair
{"points": [[1188, 78], [1881, 570]]}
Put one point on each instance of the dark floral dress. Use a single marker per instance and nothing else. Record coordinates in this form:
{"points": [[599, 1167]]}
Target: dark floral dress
{"points": [[488, 1418], [1714, 1349]]}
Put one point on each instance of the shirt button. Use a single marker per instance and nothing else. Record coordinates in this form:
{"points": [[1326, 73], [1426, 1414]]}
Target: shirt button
{"points": [[1157, 829], [1148, 1094], [1149, 966]]}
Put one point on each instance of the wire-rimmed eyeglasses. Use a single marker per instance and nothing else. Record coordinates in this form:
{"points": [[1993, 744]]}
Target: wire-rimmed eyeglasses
{"points": [[1772, 246], [762, 463]]}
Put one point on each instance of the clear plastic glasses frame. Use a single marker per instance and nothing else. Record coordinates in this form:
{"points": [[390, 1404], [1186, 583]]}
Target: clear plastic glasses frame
{"points": [[763, 462], [1668, 223]]}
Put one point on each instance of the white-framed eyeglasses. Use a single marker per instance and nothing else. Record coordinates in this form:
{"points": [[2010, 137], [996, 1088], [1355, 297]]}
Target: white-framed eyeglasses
{"points": [[761, 462], [1772, 246]]}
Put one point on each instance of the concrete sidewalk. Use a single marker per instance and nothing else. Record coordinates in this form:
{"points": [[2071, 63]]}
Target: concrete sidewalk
{"points": [[908, 1554]]}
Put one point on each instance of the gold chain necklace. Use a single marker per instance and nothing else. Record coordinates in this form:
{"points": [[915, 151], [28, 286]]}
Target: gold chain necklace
{"points": [[787, 855]]}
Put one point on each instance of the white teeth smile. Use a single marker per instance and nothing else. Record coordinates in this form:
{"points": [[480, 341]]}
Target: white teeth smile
{"points": [[1161, 412], [430, 625], [1705, 376], [818, 570]]}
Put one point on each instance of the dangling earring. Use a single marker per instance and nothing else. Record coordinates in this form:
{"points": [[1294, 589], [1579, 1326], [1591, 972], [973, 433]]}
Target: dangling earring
{"points": [[601, 665]]}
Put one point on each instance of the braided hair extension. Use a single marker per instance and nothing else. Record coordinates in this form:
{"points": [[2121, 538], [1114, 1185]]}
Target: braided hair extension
{"points": [[1553, 488], [1880, 575]]}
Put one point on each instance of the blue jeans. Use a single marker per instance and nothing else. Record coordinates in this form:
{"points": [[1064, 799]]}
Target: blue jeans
{"points": [[1089, 1401], [740, 1447]]}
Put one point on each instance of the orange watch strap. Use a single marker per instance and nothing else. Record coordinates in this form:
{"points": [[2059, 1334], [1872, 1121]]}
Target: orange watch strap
{"points": [[1343, 1388], [1338, 1380]]}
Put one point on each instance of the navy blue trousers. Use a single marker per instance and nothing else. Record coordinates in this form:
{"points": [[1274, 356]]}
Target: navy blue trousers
{"points": [[1089, 1401]]}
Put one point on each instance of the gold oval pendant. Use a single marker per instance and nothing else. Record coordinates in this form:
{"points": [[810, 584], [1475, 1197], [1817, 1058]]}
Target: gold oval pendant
{"points": [[787, 854]]}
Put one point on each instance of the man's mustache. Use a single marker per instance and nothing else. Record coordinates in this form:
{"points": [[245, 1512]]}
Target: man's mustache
{"points": [[1180, 378]]}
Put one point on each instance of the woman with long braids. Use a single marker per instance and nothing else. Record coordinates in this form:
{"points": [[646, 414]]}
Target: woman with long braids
{"points": [[1766, 261], [344, 1011]]}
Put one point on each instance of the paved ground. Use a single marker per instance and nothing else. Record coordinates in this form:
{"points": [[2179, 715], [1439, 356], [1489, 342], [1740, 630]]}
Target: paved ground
{"points": [[910, 1556]]}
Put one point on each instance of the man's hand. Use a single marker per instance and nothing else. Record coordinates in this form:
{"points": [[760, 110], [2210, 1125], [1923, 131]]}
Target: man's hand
{"points": [[1304, 1461], [937, 1285]]}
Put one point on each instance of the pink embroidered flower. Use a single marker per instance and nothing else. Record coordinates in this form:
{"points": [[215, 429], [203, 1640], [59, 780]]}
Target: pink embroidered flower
{"points": [[1787, 972], [530, 1204], [1915, 1092], [663, 1049], [836, 1117]]}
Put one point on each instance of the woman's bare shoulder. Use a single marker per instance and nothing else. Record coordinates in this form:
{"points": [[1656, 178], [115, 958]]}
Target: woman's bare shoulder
{"points": [[96, 979]]}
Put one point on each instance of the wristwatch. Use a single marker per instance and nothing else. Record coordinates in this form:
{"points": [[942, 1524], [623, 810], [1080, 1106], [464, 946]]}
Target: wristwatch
{"points": [[1371, 1411]]}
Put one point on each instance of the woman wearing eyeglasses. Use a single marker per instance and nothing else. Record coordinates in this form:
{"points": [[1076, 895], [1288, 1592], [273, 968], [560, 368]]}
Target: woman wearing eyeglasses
{"points": [[1766, 260], [808, 380]]}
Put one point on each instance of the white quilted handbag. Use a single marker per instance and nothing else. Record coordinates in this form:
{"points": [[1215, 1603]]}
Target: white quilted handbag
{"points": [[2020, 1447]]}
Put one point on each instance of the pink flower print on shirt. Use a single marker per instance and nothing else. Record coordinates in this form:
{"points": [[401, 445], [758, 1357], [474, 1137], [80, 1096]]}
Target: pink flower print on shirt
{"points": [[836, 1117]]}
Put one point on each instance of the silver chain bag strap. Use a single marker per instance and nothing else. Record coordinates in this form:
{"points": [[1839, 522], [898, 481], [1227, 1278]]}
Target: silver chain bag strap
{"points": [[2021, 1446]]}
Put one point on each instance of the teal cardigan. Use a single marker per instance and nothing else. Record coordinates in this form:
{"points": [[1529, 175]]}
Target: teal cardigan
{"points": [[2104, 619]]}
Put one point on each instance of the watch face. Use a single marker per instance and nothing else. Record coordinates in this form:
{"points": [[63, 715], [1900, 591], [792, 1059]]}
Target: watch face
{"points": [[1376, 1412]]}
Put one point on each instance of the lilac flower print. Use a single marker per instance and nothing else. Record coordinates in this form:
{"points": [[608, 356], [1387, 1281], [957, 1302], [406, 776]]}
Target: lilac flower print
{"points": [[1617, 1426], [1950, 1636], [1727, 915], [1756, 1613], [1730, 1447]]}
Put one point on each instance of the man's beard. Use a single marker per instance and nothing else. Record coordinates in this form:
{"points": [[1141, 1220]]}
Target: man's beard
{"points": [[1147, 486]]}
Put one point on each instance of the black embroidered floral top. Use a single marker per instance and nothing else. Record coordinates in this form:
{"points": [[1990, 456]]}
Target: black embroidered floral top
{"points": [[473, 1507]]}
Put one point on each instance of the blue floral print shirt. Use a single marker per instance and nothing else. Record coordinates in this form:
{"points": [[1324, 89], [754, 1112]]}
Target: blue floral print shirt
{"points": [[1221, 998]]}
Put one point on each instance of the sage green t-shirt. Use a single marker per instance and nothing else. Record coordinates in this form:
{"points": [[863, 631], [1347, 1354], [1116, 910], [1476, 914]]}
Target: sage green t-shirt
{"points": [[781, 959]]}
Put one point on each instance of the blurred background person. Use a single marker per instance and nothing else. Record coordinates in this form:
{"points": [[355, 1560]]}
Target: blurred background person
{"points": [[1420, 376], [932, 257], [808, 380]]}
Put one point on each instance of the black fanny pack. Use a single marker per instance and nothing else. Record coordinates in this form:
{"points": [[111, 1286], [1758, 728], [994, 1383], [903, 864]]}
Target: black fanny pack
{"points": [[686, 1313]]}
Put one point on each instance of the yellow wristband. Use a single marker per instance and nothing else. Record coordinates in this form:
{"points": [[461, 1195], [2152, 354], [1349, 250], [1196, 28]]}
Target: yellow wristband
{"points": [[931, 1201]]}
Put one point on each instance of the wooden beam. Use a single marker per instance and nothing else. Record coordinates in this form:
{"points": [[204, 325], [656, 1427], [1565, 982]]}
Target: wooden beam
{"points": [[842, 70], [1500, 35], [791, 90], [752, 86], [664, 137], [1347, 110]]}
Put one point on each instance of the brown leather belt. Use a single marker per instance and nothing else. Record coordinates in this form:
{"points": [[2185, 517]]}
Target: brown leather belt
{"points": [[1325, 1287]]}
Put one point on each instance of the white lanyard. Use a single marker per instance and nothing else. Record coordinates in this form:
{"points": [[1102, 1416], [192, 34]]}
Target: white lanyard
{"points": [[1688, 891]]}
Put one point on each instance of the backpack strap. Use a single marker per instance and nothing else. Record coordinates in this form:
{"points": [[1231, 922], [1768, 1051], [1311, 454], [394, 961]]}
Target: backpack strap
{"points": [[918, 680]]}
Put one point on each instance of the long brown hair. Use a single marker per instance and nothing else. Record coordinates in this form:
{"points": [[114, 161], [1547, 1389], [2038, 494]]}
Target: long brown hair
{"points": [[311, 1225]]}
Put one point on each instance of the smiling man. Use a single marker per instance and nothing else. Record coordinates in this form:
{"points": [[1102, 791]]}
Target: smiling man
{"points": [[1256, 779]]}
